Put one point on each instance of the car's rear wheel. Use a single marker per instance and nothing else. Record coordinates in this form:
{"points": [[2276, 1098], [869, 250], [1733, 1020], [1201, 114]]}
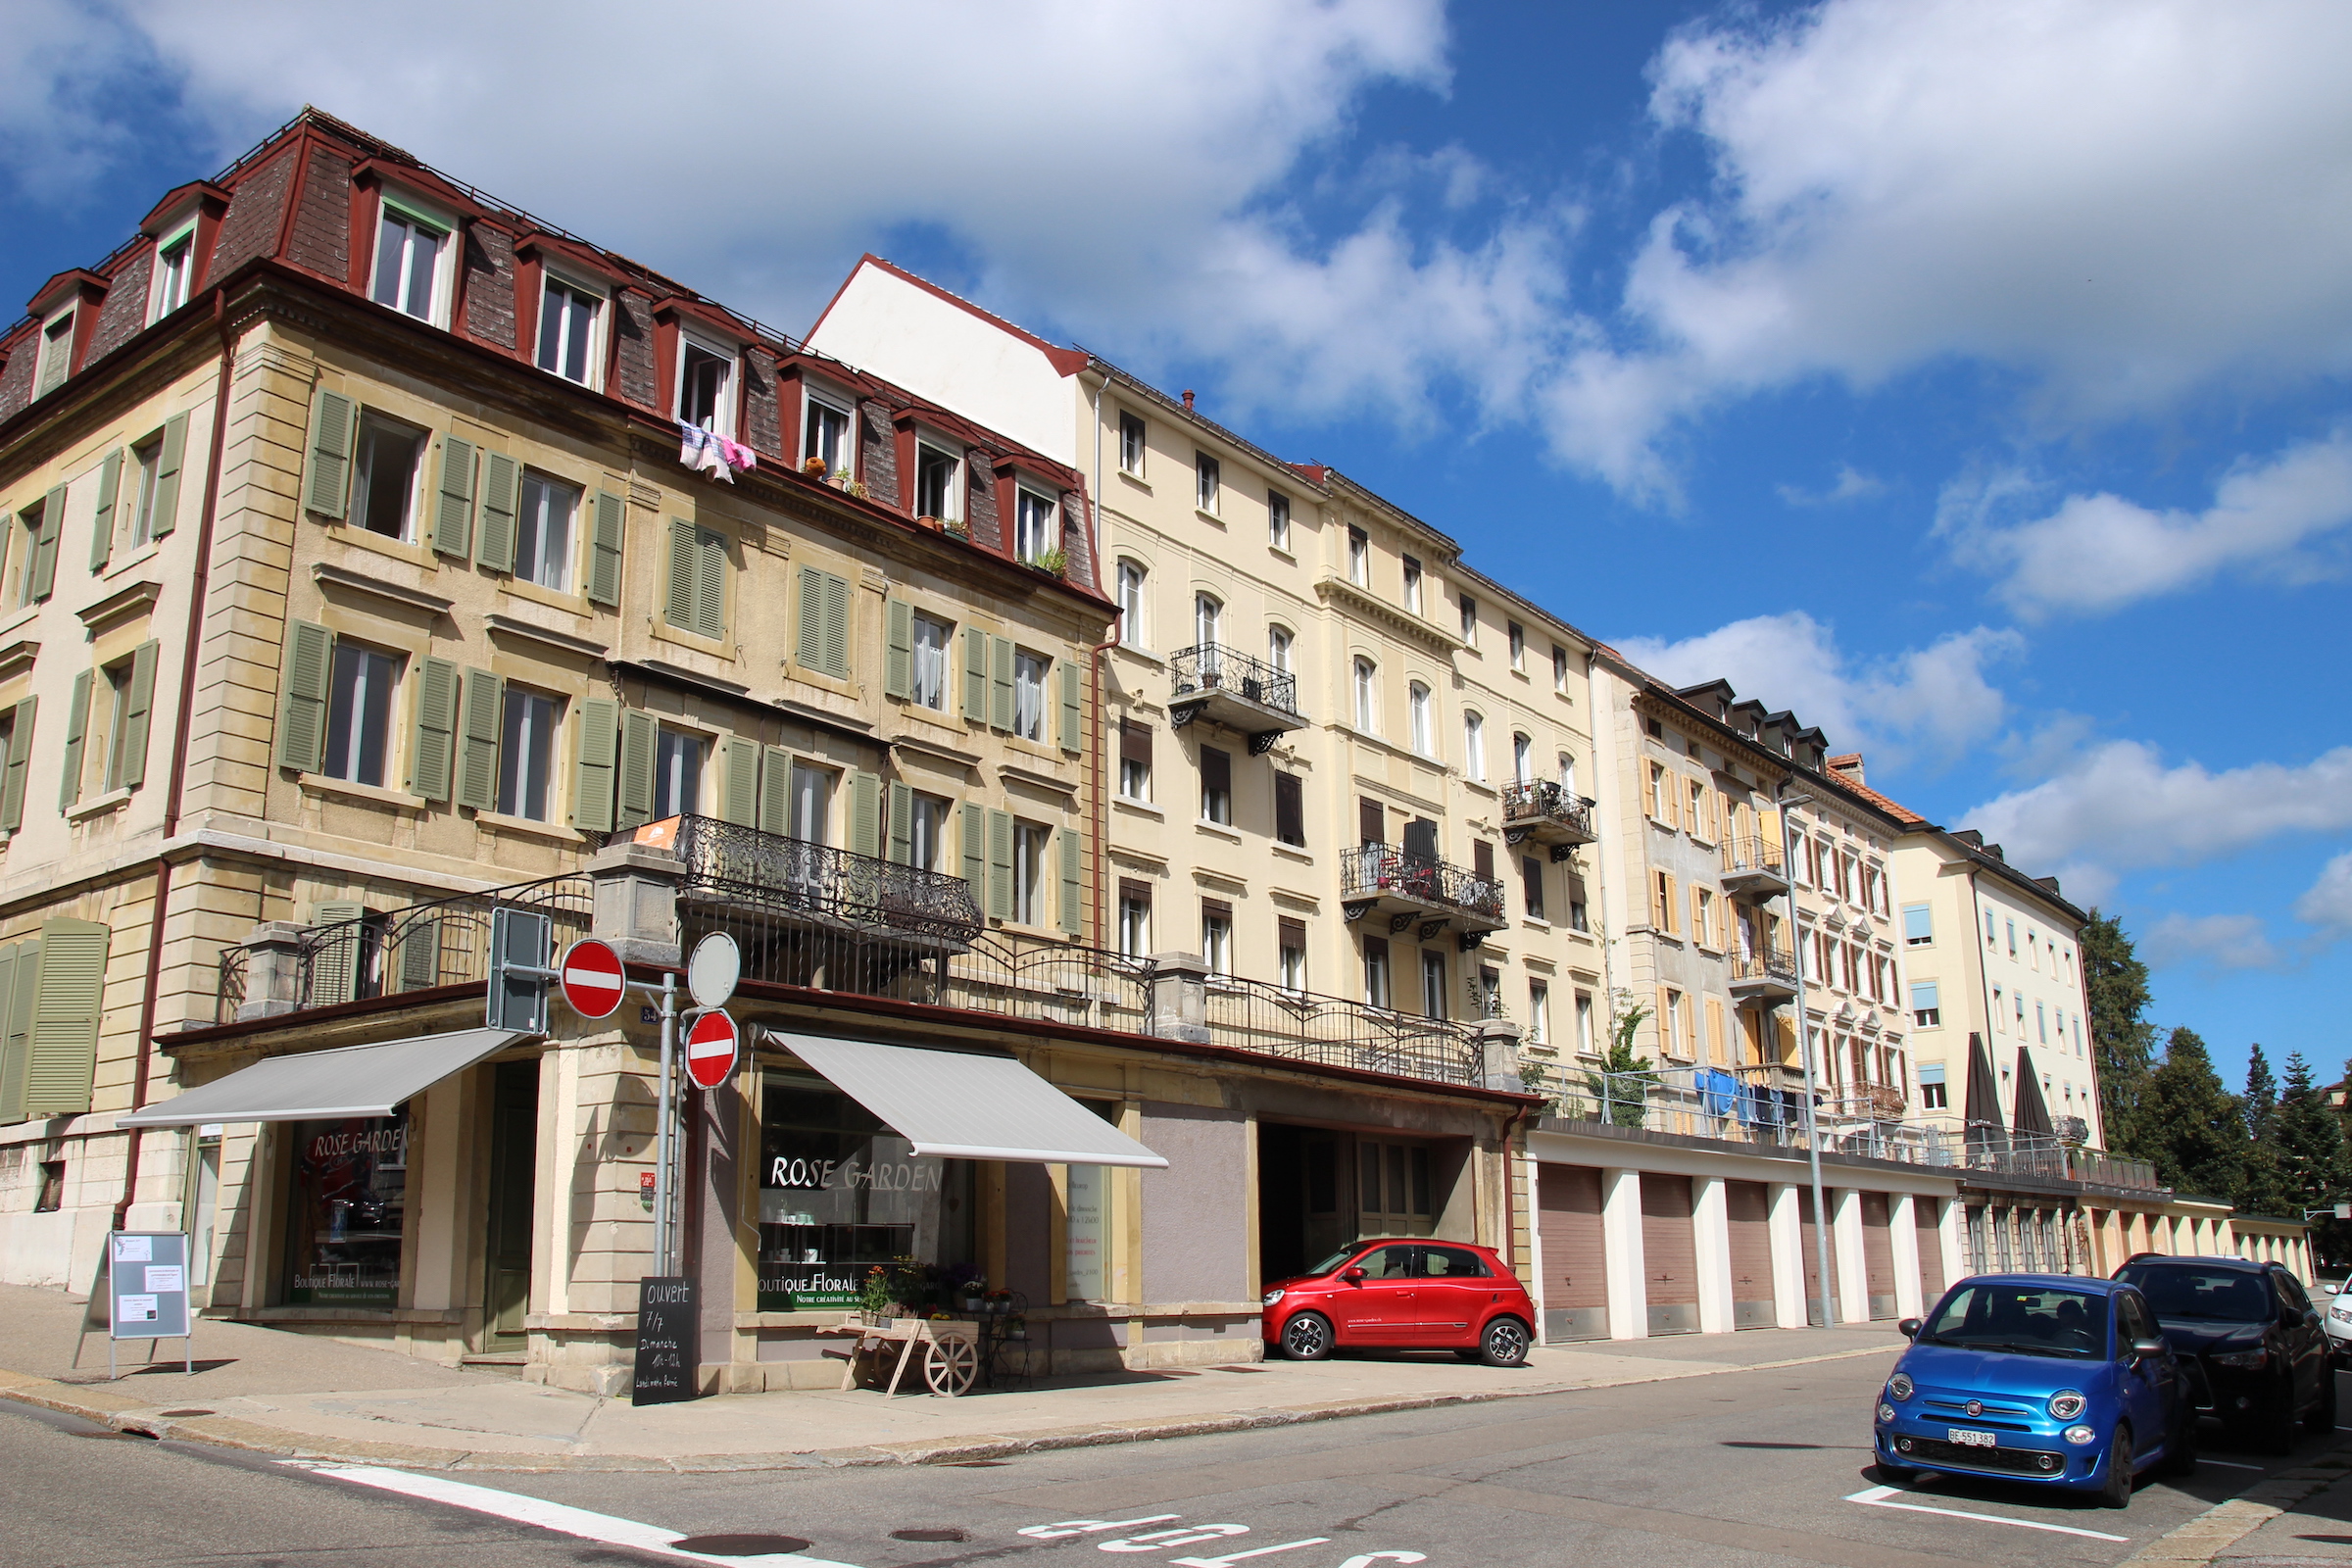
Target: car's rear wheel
{"points": [[2117, 1492], [2322, 1419], [1306, 1337], [1504, 1344]]}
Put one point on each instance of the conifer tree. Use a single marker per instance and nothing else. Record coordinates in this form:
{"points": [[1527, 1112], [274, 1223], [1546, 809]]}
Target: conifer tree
{"points": [[2195, 1129], [2309, 1142], [2122, 1041], [2262, 1093]]}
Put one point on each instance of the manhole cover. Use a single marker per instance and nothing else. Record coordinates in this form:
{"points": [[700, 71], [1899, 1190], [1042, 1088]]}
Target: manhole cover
{"points": [[941, 1533], [740, 1546], [181, 1415]]}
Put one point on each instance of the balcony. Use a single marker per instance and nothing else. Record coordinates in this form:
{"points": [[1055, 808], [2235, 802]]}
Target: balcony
{"points": [[1417, 891], [1752, 868], [1765, 974], [1227, 687], [792, 882], [1543, 812]]}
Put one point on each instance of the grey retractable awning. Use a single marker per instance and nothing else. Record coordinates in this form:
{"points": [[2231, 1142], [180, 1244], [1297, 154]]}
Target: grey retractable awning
{"points": [[962, 1106], [322, 1085]]}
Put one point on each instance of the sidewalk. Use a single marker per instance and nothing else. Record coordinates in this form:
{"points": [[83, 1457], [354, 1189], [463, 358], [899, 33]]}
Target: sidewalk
{"points": [[288, 1393]]}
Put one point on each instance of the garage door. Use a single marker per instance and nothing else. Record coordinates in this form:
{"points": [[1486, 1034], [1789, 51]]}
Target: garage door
{"points": [[1668, 1254], [1878, 1252], [1746, 1206], [1927, 1213], [1576, 1283], [1811, 1234]]}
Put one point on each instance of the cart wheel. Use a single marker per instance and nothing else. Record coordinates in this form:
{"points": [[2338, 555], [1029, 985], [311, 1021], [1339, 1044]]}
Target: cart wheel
{"points": [[951, 1366]]}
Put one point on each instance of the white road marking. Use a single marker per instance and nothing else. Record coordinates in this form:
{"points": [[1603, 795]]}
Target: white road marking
{"points": [[541, 1514], [1877, 1497], [2228, 1464]]}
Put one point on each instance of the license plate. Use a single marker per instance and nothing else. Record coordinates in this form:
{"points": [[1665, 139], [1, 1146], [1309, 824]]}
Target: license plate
{"points": [[1969, 1440]]}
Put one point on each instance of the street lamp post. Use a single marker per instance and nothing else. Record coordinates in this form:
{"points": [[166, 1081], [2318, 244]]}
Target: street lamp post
{"points": [[1805, 1051]]}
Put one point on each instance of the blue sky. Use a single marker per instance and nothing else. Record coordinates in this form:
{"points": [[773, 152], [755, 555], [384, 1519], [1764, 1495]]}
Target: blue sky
{"points": [[1970, 376]]}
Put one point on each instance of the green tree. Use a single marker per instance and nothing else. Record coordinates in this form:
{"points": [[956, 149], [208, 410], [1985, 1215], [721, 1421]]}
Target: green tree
{"points": [[2308, 1142], [2195, 1130], [2261, 1094], [2122, 1041], [1622, 1095]]}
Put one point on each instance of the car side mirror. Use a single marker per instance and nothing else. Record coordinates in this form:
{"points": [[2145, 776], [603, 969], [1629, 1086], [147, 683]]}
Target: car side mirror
{"points": [[1909, 1328], [1354, 1276], [2146, 1348]]}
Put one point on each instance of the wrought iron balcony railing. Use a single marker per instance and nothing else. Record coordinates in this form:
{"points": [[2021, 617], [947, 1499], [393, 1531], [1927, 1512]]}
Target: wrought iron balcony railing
{"points": [[1752, 855], [1215, 667], [744, 865], [1542, 803], [1765, 963], [1374, 870]]}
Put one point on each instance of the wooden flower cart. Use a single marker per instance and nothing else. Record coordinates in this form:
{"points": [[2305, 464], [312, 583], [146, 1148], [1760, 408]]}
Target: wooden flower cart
{"points": [[949, 1353]]}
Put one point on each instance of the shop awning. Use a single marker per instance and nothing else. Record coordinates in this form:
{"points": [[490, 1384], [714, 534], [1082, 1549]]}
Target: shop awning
{"points": [[962, 1106], [324, 1085]]}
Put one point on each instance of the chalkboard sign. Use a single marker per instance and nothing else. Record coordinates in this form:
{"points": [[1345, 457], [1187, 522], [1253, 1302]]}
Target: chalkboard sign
{"points": [[669, 1341]]}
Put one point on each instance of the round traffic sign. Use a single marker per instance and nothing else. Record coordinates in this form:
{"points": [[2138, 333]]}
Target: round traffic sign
{"points": [[710, 1050], [713, 970], [593, 985]]}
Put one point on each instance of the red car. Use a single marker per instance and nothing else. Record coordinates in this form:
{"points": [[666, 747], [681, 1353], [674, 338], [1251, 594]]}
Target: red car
{"points": [[1403, 1295]]}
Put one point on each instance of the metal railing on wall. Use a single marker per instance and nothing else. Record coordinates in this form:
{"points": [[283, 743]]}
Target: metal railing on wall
{"points": [[1372, 870], [1213, 667]]}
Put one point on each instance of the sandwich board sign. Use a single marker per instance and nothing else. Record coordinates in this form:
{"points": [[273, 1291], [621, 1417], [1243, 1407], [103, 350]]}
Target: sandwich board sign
{"points": [[669, 1341], [146, 1277]]}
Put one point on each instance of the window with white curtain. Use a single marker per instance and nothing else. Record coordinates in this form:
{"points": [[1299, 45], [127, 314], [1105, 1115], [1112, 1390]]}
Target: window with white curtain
{"points": [[1474, 746], [1423, 741], [1367, 702]]}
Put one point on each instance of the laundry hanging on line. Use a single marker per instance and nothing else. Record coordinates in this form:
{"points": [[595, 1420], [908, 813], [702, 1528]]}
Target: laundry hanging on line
{"points": [[708, 451]]}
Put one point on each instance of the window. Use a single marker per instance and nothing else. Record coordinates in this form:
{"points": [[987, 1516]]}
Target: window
{"points": [[359, 713], [1702, 916], [826, 433], [148, 456], [1522, 759], [927, 832], [1584, 1024], [1290, 811], [1376, 972], [1417, 708], [543, 531], [1209, 619], [1029, 697], [1135, 759], [1135, 908], [697, 599], [1217, 786], [107, 743], [1538, 1012], [1927, 1010], [2000, 1019], [1433, 983], [1674, 1023], [1360, 558], [1559, 670], [706, 376], [408, 264], [1290, 953], [1131, 604], [1567, 775], [1207, 482], [1694, 821], [1131, 444], [1029, 872], [383, 489], [1919, 926], [57, 353], [175, 272], [2032, 949], [527, 753], [1577, 915], [935, 489], [568, 317], [1216, 936], [1531, 883], [1517, 635], [2042, 1022], [1278, 649], [678, 773], [811, 802], [2019, 999], [1474, 748], [1412, 584], [2012, 938], [928, 669], [1989, 937], [1469, 620], [1367, 705], [1035, 533], [1278, 519]]}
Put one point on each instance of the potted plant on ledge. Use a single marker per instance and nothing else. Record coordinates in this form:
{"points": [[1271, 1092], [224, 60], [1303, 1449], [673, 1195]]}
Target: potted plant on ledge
{"points": [[1052, 562]]}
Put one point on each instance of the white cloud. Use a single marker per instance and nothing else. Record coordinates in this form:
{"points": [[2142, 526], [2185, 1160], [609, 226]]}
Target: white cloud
{"points": [[1927, 703], [2117, 808], [2210, 942], [2099, 553], [2328, 902], [1853, 485]]}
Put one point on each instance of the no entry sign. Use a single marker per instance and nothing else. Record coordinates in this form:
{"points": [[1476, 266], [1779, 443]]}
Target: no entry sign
{"points": [[710, 1050], [592, 978]]}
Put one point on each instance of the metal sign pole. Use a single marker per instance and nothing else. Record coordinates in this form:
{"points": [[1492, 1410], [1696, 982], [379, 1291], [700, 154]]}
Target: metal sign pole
{"points": [[665, 1185]]}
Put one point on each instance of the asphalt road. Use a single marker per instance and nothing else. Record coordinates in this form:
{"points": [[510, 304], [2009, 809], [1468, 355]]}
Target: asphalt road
{"points": [[1716, 1471]]}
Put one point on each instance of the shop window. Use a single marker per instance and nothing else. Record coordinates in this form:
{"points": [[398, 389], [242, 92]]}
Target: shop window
{"points": [[1085, 1277], [349, 1208], [840, 1193]]}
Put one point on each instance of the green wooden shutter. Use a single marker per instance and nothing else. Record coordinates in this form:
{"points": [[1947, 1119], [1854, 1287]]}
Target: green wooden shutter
{"points": [[12, 1054], [865, 815], [16, 1029], [974, 846], [44, 542], [335, 965], [302, 716], [975, 674], [592, 769], [482, 707], [999, 683], [418, 965], [501, 479], [897, 648], [333, 421], [837, 627], [453, 503], [1000, 865], [78, 724], [679, 610], [739, 780], [102, 526], [63, 1053], [809, 637], [1069, 704], [608, 516], [167, 464], [635, 805], [133, 745], [710, 583], [775, 790], [1071, 904], [437, 738], [19, 766], [901, 823]]}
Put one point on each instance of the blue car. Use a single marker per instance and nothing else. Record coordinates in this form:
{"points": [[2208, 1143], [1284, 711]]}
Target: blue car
{"points": [[2054, 1380]]}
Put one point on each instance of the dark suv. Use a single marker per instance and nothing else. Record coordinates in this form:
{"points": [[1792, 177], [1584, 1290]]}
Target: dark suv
{"points": [[2253, 1347]]}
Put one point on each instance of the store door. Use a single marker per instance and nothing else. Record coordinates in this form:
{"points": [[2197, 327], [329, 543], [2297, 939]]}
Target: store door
{"points": [[1576, 1277], [1752, 1302], [1668, 1254], [514, 1166]]}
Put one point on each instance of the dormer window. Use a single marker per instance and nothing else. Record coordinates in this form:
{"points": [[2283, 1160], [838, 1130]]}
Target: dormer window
{"points": [[175, 271], [1035, 533], [410, 275], [825, 432], [705, 380], [936, 466], [568, 317], [57, 352]]}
